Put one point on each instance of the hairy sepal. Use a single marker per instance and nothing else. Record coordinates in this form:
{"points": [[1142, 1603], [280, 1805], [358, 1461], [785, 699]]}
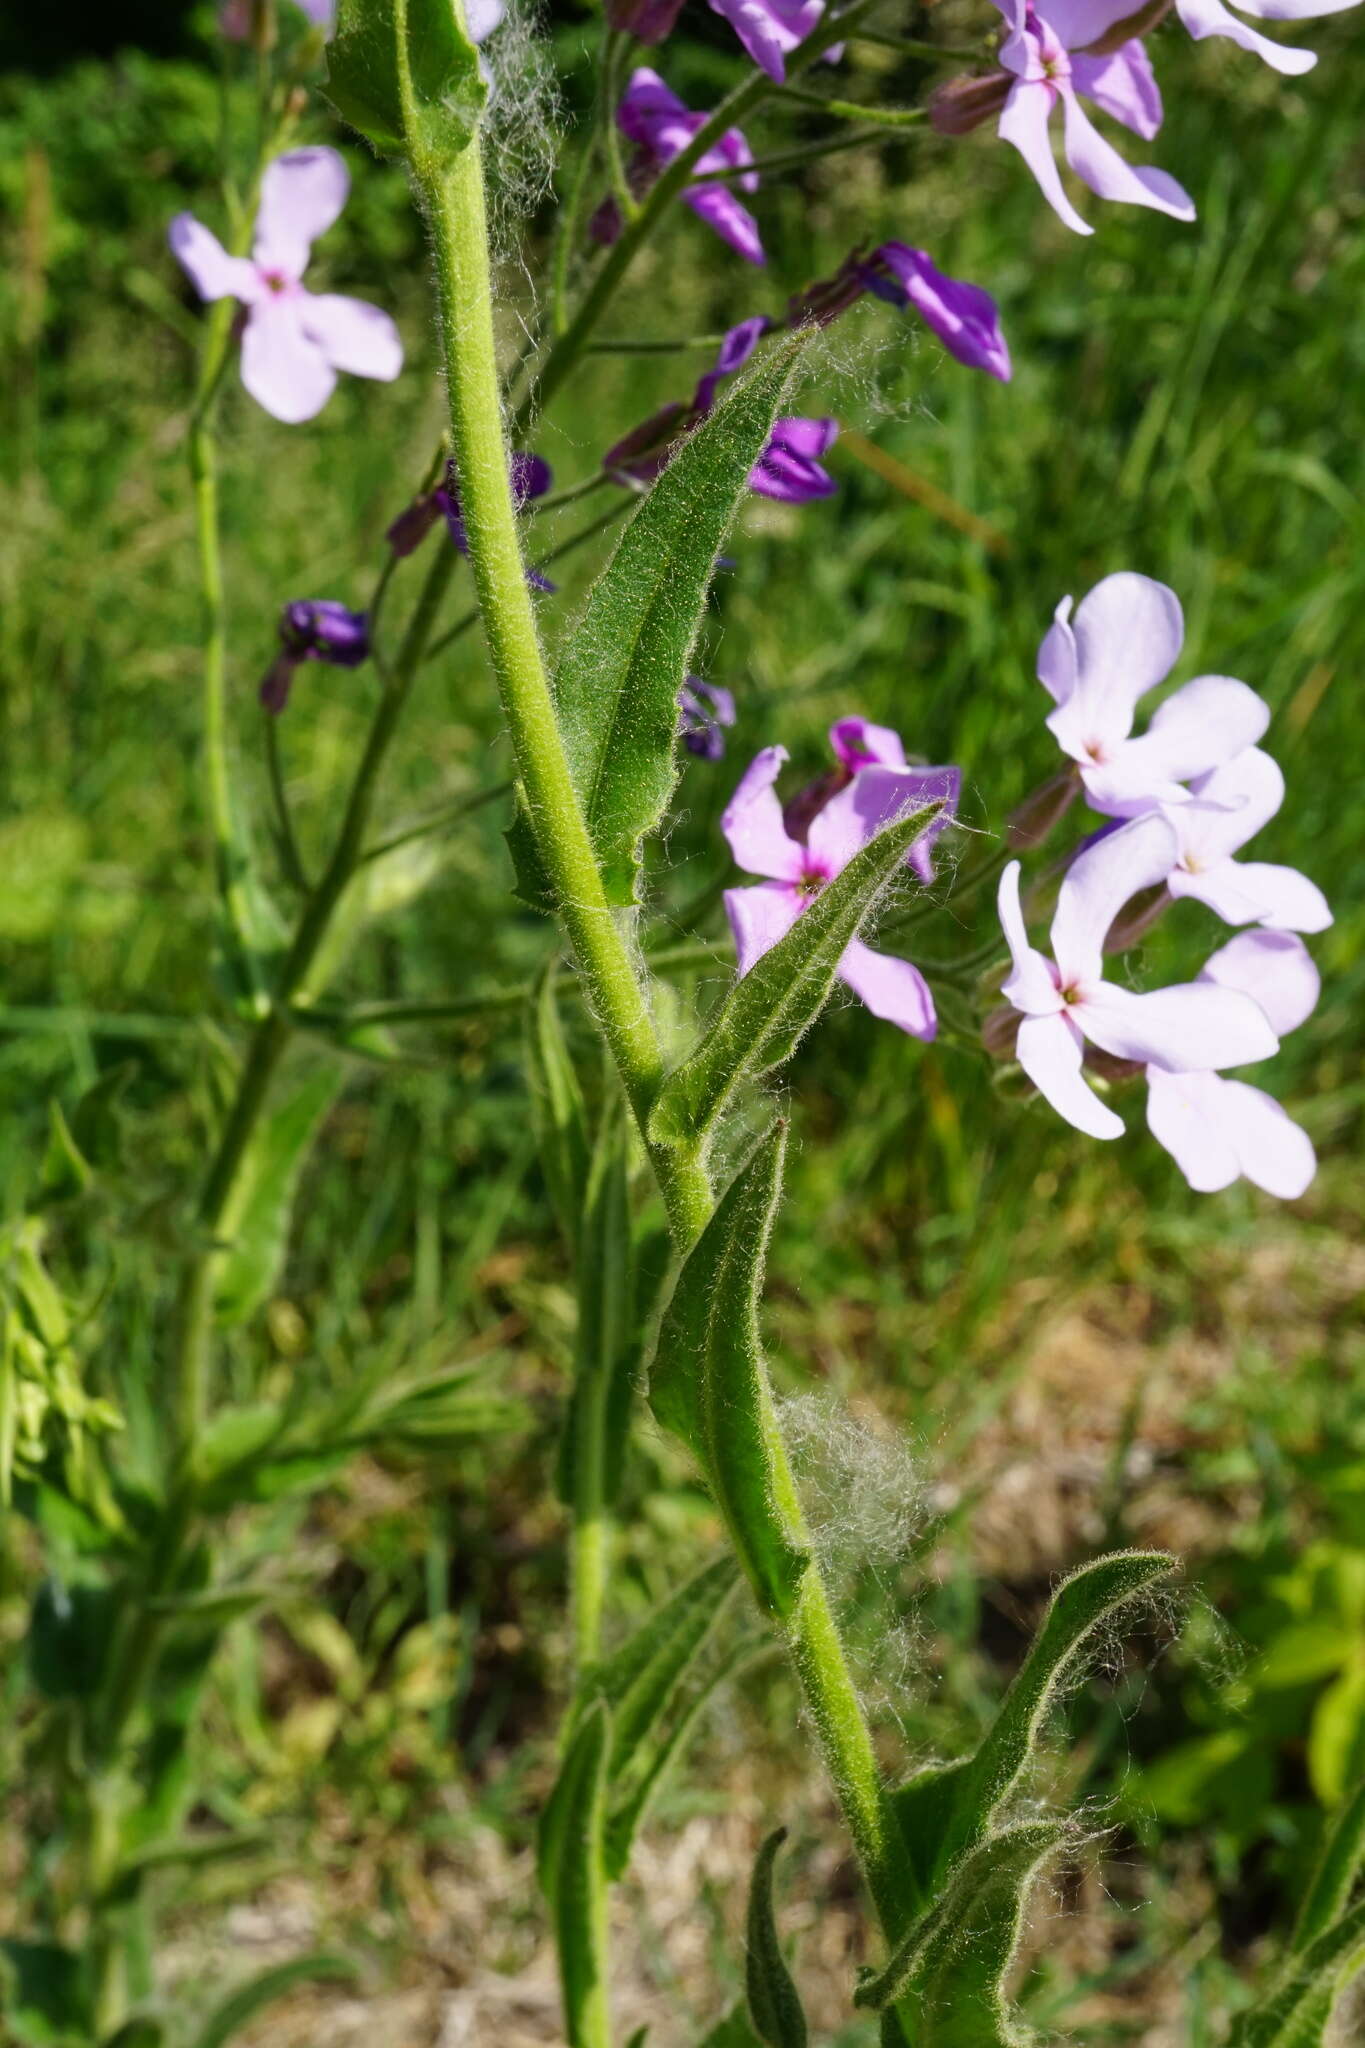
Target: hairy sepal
{"points": [[405, 75], [620, 670], [761, 1021], [774, 2001], [709, 1382]]}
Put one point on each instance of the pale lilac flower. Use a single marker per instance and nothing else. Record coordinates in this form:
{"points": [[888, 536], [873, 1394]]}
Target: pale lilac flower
{"points": [[1211, 18], [963, 316], [859, 744], [1037, 53], [703, 709], [1065, 1001], [1124, 640], [1218, 1130], [789, 467], [314, 629], [1228, 807], [797, 870], [294, 341], [770, 29], [656, 121]]}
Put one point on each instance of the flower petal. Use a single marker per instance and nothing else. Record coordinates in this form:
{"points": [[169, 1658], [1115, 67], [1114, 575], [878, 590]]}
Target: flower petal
{"points": [[1122, 84], [1191, 1028], [1257, 892], [1078, 22], [874, 799], [1185, 1115], [301, 195], [1024, 124], [1275, 969], [769, 28], [892, 989], [1031, 987], [282, 368], [352, 335], [1231, 804], [1128, 632], [731, 221], [1273, 1152], [1057, 655], [1049, 1051], [857, 743], [752, 822], [1210, 721], [1098, 164], [213, 273], [1210, 18], [759, 917], [1110, 871]]}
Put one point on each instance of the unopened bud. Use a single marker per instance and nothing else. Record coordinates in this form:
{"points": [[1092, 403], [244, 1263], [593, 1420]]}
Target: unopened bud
{"points": [[999, 1030], [650, 21], [412, 526], [1036, 817], [820, 303], [1107, 1066], [1136, 919], [1140, 23], [961, 104], [806, 805]]}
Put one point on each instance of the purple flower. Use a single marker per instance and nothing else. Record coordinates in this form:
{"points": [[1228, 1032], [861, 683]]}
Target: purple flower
{"points": [[1211, 18], [704, 708], [770, 29], [294, 341], [530, 477], [1066, 1001], [1125, 639], [649, 21], [1217, 1130], [963, 316], [314, 629], [797, 870], [1037, 53], [660, 126], [789, 467], [1227, 807]]}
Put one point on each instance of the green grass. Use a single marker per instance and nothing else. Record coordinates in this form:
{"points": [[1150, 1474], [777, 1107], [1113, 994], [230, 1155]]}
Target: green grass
{"points": [[1187, 402]]}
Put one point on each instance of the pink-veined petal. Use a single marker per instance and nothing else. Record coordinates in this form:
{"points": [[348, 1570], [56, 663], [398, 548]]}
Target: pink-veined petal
{"points": [[1257, 892], [1190, 1028], [1098, 884], [1185, 1115], [213, 273], [282, 368], [1050, 1052], [1031, 987], [1024, 125], [892, 989], [1275, 969], [759, 917], [857, 743], [1057, 665], [1129, 631], [1098, 164], [752, 822], [1210, 18], [353, 335], [301, 195], [1124, 85]]}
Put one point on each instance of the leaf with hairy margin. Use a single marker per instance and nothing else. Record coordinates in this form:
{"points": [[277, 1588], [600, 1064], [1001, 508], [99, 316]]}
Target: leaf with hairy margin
{"points": [[572, 1877], [1299, 2010], [1338, 1871], [405, 75], [774, 2001]]}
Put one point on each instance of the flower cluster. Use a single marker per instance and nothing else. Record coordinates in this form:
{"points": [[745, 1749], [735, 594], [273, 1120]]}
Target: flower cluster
{"points": [[1183, 798]]}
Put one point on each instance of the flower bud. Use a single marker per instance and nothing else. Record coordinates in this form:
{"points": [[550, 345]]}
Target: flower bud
{"points": [[314, 629], [822, 302], [412, 526], [1036, 817], [649, 21], [704, 708], [642, 454], [1136, 919], [1107, 1066], [961, 104], [999, 1030]]}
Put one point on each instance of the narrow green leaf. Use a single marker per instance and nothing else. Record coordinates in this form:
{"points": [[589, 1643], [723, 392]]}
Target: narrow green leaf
{"points": [[943, 1812], [709, 1383], [572, 1876], [258, 1992], [950, 1967], [1338, 1871], [620, 670], [1299, 2011], [598, 1417], [774, 2002], [270, 1178], [560, 1119], [761, 1021], [640, 1679], [406, 76], [184, 1851]]}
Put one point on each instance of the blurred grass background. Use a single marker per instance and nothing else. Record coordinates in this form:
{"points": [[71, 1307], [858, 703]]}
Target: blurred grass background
{"points": [[1040, 1345]]}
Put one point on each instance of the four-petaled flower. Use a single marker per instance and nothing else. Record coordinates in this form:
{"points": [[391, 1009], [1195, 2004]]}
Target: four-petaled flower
{"points": [[1228, 806], [1065, 1000], [294, 341], [656, 121], [1211, 18], [1123, 641], [1219, 1130], [796, 870]]}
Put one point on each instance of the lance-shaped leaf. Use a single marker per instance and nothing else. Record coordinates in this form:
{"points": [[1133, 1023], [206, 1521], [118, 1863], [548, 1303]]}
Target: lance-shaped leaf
{"points": [[597, 1422], [943, 1812], [242, 2005], [406, 76], [1338, 1871], [1299, 2010], [561, 1121], [949, 1970], [620, 670], [761, 1021], [709, 1383], [270, 1178], [774, 2001], [572, 1876]]}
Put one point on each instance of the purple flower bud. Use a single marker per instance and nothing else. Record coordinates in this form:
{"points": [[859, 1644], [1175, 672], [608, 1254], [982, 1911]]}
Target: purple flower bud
{"points": [[649, 21], [704, 709], [822, 302], [810, 800], [653, 117], [999, 1031], [963, 316], [412, 526], [1136, 919], [530, 477], [789, 468], [961, 104], [313, 629], [1035, 818], [642, 454]]}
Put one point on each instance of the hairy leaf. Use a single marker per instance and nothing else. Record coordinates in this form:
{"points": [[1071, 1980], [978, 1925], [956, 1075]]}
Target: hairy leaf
{"points": [[640, 1679], [761, 1021], [406, 76], [709, 1383], [774, 2002], [243, 2004], [561, 1121], [572, 1877], [620, 670], [1338, 1871], [1299, 2010], [270, 1178]]}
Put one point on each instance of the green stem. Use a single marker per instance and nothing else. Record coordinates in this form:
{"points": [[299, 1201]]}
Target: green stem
{"points": [[852, 110], [807, 153]]}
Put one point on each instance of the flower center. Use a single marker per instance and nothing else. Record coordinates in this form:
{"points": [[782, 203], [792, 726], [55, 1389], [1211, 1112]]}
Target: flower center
{"points": [[276, 281], [810, 882]]}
